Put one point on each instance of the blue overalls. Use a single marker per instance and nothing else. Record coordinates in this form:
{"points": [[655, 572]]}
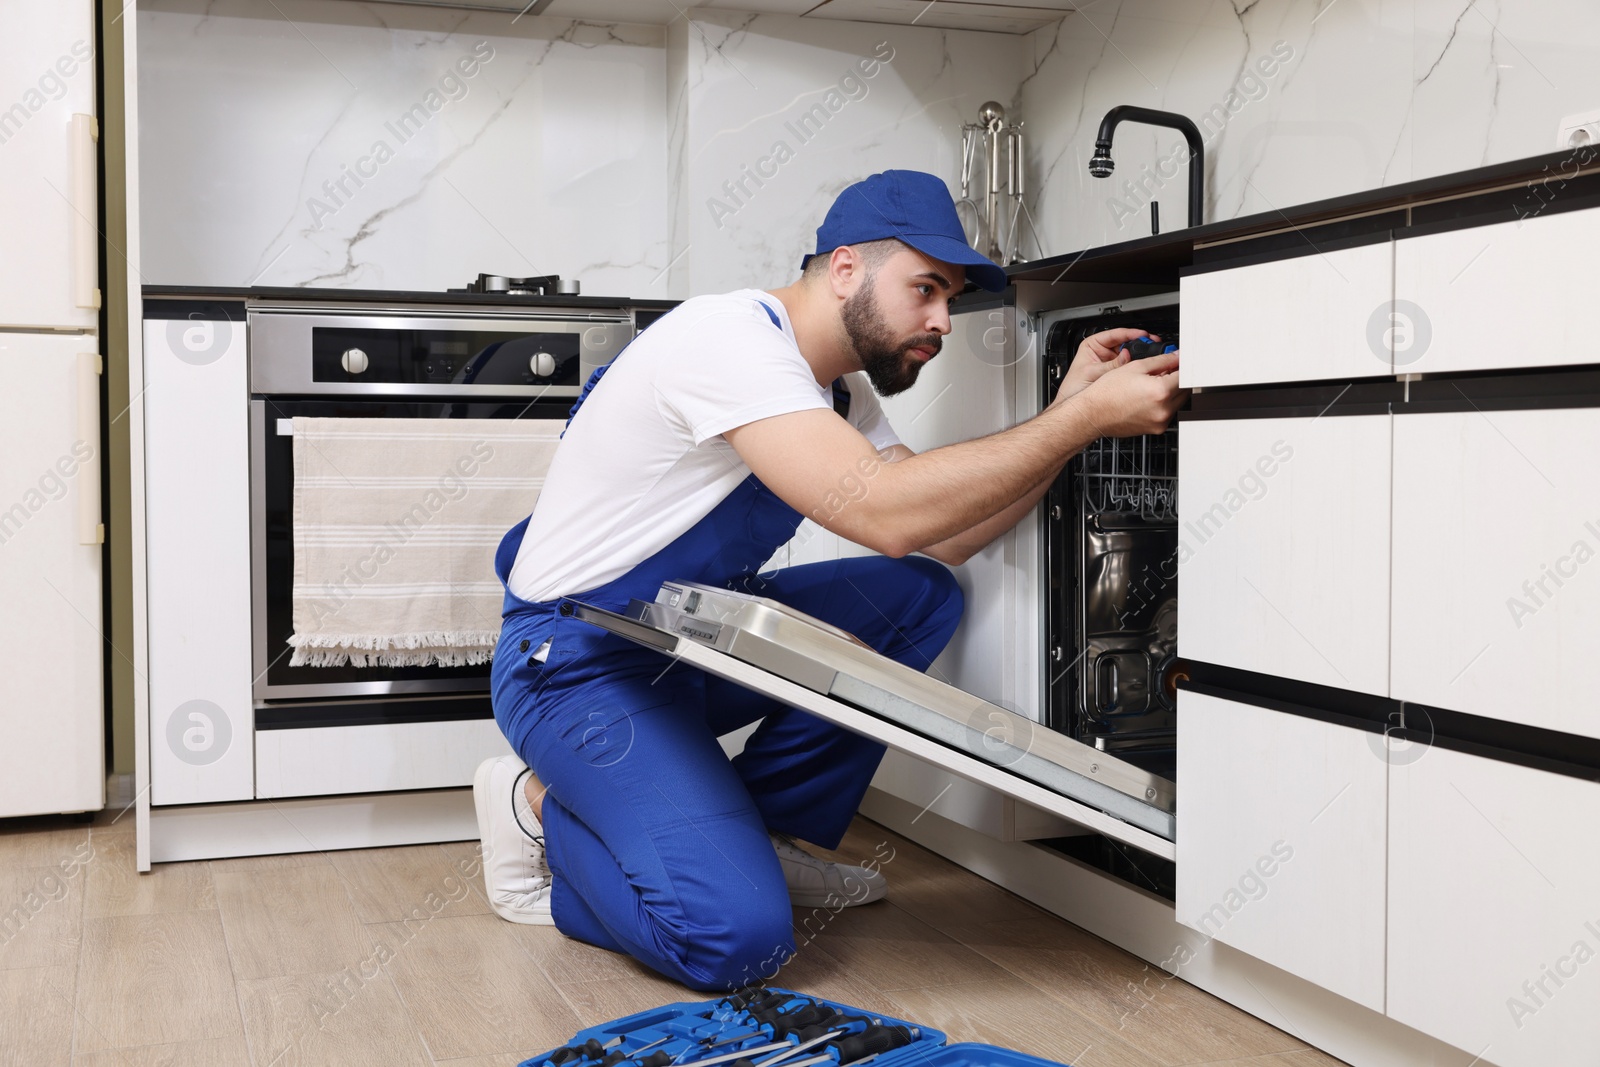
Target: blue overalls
{"points": [[656, 841]]}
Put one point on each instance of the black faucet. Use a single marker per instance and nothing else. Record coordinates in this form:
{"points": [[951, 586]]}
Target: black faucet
{"points": [[1101, 164]]}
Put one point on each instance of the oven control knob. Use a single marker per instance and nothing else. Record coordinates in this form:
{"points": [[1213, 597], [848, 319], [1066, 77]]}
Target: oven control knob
{"points": [[353, 360], [543, 364]]}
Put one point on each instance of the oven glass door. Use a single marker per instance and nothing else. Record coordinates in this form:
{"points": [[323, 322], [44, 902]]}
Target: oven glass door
{"points": [[272, 554]]}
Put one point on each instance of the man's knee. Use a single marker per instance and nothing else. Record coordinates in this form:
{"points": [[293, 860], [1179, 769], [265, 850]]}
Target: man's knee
{"points": [[756, 937], [942, 596]]}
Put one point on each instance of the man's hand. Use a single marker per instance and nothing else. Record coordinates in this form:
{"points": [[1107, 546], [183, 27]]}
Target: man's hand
{"points": [[1134, 397], [1097, 354]]}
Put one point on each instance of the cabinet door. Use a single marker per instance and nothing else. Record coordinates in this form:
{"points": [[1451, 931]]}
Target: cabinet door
{"points": [[52, 758], [1281, 841], [1496, 578], [197, 518], [1494, 907], [1501, 296], [1291, 320], [1283, 547], [49, 258]]}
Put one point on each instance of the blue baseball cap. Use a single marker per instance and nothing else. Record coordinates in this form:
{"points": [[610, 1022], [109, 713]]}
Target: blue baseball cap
{"points": [[915, 208]]}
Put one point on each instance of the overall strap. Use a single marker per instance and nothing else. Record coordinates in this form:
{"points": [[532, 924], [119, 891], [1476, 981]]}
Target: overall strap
{"points": [[841, 395]]}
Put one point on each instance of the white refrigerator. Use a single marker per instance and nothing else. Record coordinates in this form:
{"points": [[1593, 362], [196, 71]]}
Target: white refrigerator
{"points": [[52, 652]]}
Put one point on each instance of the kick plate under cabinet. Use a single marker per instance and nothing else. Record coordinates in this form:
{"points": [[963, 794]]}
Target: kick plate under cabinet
{"points": [[805, 663]]}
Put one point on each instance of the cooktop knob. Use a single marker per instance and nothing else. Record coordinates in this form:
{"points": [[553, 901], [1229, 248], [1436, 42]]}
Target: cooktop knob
{"points": [[353, 360], [543, 364]]}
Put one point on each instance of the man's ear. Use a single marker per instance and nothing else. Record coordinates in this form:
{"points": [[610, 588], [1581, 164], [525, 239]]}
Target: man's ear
{"points": [[844, 267]]}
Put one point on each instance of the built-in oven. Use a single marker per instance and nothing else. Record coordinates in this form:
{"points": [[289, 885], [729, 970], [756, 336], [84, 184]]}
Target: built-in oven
{"points": [[327, 361]]}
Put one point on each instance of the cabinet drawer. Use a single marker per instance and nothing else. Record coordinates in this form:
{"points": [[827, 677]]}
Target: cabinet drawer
{"points": [[1497, 564], [373, 759], [1494, 907], [1283, 547], [1281, 841], [1290, 320], [1503, 296]]}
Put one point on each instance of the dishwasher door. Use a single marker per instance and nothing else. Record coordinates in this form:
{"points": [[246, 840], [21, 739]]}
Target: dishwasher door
{"points": [[808, 664]]}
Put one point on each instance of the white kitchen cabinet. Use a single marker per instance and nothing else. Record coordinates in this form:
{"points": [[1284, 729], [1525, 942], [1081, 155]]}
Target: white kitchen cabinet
{"points": [[1323, 316], [1500, 297], [1281, 841], [1494, 907], [49, 251], [52, 758], [970, 390], [197, 449], [1497, 564], [1283, 547]]}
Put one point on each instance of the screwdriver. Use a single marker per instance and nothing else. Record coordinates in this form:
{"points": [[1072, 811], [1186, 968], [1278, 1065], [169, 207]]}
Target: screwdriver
{"points": [[589, 1050], [617, 1056], [729, 1057], [788, 1053], [773, 1001], [705, 1044], [849, 1023], [756, 999], [815, 1060], [663, 1058], [810, 1015], [859, 1048], [873, 1040]]}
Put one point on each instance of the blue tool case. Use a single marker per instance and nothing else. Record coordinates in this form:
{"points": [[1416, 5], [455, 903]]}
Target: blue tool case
{"points": [[769, 1027]]}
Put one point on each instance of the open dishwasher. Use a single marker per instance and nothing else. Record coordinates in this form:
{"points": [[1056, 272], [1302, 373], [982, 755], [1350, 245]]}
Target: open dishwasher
{"points": [[808, 664], [1111, 565]]}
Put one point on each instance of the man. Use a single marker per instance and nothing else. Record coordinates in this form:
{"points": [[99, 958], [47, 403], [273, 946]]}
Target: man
{"points": [[694, 457]]}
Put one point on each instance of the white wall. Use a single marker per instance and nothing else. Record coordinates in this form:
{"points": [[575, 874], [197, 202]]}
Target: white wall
{"points": [[1376, 92], [548, 160]]}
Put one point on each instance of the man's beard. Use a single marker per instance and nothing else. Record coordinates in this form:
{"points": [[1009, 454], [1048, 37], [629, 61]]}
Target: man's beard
{"points": [[882, 357]]}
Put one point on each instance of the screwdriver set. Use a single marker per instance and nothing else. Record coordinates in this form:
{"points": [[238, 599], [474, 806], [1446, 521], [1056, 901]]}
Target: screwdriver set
{"points": [[767, 1027]]}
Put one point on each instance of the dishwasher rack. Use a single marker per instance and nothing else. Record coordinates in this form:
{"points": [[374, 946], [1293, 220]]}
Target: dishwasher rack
{"points": [[1131, 476]]}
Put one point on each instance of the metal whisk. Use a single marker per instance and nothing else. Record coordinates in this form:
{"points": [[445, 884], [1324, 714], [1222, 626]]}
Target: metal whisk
{"points": [[988, 231]]}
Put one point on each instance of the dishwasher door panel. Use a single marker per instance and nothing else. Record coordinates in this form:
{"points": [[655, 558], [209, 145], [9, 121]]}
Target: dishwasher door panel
{"points": [[778, 652]]}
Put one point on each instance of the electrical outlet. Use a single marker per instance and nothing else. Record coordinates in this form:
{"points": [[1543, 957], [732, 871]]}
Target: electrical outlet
{"points": [[1578, 130]]}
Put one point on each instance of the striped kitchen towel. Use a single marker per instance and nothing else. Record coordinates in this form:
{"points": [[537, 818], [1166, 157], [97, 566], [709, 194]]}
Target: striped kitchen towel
{"points": [[396, 522]]}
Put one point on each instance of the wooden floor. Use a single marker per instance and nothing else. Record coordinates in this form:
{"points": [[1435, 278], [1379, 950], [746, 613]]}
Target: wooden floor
{"points": [[391, 957]]}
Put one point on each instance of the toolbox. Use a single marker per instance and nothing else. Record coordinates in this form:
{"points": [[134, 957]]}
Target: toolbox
{"points": [[770, 1027]]}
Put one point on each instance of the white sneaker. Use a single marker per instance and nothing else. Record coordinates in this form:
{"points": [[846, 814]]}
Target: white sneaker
{"points": [[514, 871], [817, 883]]}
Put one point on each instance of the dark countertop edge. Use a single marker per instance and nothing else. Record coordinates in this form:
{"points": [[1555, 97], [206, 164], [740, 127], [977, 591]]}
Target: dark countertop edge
{"points": [[1530, 170], [389, 296]]}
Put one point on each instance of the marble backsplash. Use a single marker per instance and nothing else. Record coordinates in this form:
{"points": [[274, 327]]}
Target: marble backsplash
{"points": [[297, 142], [1297, 100], [300, 142]]}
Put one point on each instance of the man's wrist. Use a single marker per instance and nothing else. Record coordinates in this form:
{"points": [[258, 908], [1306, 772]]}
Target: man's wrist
{"points": [[1080, 413]]}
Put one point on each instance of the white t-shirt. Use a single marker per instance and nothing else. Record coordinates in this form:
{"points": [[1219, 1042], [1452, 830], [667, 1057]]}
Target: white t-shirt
{"points": [[645, 460]]}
